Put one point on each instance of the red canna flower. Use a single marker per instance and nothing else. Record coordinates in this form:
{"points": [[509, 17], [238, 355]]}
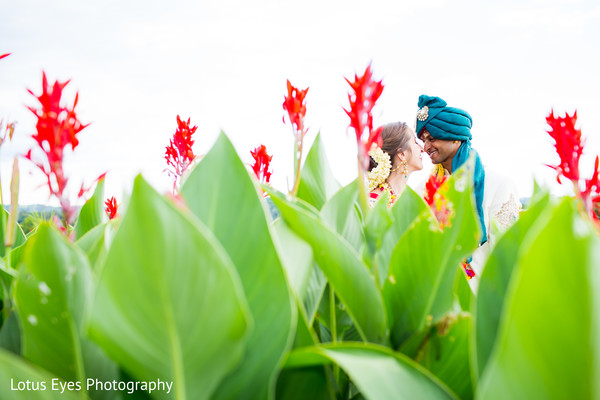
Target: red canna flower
{"points": [[57, 127], [179, 154], [366, 91], [591, 194], [294, 105], [5, 55], [569, 145], [111, 208], [261, 163], [468, 270], [436, 200], [432, 186], [596, 209]]}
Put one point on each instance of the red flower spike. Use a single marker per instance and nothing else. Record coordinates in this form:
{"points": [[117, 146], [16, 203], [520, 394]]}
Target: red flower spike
{"points": [[179, 154], [261, 164], [366, 91], [296, 108], [436, 200], [5, 55], [591, 194], [431, 187], [569, 145], [468, 270], [57, 127], [111, 208]]}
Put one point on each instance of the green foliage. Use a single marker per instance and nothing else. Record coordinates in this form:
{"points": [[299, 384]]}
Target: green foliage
{"points": [[317, 183], [169, 265], [230, 295], [92, 213], [378, 372], [52, 295], [222, 195], [547, 341], [419, 290]]}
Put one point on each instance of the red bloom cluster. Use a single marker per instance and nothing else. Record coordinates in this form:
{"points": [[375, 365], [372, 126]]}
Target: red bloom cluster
{"points": [[261, 163], [111, 208], [591, 194], [432, 185], [569, 145], [179, 154], [56, 128], [436, 200], [366, 91], [296, 108], [466, 266]]}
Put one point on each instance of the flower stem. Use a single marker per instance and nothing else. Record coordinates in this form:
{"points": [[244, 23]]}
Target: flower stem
{"points": [[297, 165]]}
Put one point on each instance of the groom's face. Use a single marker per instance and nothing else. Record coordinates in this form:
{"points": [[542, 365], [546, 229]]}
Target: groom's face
{"points": [[438, 150]]}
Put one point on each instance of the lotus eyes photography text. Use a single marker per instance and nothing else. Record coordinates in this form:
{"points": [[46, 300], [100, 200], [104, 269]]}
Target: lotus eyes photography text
{"points": [[91, 384]]}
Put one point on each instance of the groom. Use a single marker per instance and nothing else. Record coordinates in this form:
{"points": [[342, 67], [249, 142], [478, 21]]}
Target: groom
{"points": [[446, 135]]}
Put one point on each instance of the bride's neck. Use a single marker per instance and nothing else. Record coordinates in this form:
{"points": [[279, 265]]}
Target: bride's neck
{"points": [[398, 182]]}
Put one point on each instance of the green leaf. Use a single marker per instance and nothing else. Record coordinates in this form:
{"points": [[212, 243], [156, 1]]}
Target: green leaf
{"points": [[92, 213], [52, 294], [495, 278], [341, 214], [222, 194], [445, 353], [16, 372], [377, 223], [404, 212], [95, 244], [304, 383], [317, 183], [296, 257], [419, 288], [169, 304], [547, 344], [378, 372], [10, 334], [343, 268]]}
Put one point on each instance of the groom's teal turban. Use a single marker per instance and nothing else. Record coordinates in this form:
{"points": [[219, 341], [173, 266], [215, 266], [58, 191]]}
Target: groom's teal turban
{"points": [[442, 122], [449, 123]]}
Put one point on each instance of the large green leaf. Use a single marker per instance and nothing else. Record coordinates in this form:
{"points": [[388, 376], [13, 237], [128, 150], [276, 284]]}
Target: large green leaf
{"points": [[378, 372], [341, 214], [419, 288], [19, 235], [343, 267], [317, 183], [169, 304], [16, 372], [10, 334], [304, 383], [495, 278], [52, 294], [92, 213], [548, 340], [296, 257], [222, 194], [96, 242], [404, 212], [444, 351]]}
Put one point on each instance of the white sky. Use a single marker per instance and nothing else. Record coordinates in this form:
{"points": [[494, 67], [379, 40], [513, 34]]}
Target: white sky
{"points": [[224, 64]]}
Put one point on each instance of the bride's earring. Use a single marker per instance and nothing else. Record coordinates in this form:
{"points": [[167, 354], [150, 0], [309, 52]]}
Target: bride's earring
{"points": [[404, 165]]}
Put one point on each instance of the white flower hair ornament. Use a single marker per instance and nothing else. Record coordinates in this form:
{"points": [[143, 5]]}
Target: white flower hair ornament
{"points": [[379, 174]]}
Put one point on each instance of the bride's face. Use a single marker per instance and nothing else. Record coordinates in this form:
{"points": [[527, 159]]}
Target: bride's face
{"points": [[415, 156]]}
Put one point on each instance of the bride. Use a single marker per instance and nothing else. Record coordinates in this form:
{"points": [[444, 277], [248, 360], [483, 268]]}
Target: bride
{"points": [[391, 165]]}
